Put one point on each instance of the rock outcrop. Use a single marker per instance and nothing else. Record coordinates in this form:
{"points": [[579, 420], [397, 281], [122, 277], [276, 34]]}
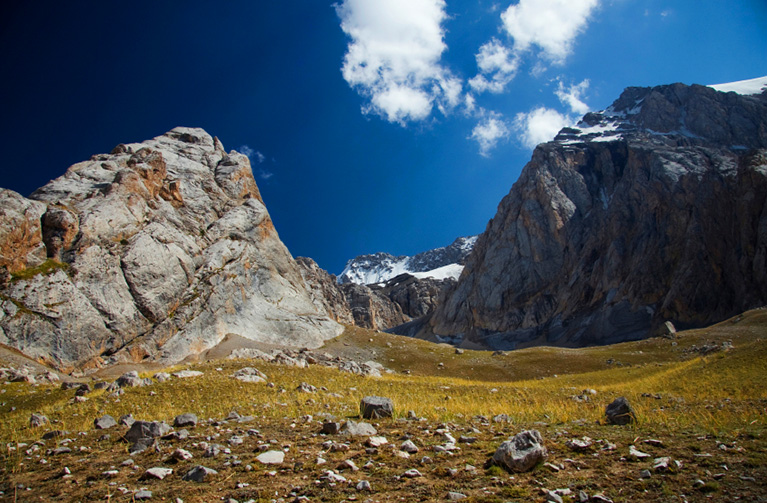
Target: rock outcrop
{"points": [[652, 210], [157, 250]]}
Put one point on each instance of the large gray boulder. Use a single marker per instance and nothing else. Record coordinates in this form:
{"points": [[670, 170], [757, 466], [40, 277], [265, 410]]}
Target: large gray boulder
{"points": [[376, 407], [619, 412], [168, 240], [522, 452]]}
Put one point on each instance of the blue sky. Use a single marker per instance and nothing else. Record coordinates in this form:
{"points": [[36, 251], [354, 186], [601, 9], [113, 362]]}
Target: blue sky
{"points": [[372, 125]]}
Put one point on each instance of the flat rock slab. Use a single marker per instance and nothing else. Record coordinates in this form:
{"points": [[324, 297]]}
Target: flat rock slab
{"points": [[358, 429], [522, 452], [182, 374], [271, 457], [158, 473], [376, 407], [104, 422]]}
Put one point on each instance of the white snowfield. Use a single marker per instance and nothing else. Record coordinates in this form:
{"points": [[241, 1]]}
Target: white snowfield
{"points": [[445, 272], [744, 87]]}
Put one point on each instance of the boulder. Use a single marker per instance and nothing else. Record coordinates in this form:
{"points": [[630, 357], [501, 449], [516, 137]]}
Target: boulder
{"points": [[522, 452], [199, 474], [356, 429], [104, 422], [376, 407], [186, 419], [619, 412]]}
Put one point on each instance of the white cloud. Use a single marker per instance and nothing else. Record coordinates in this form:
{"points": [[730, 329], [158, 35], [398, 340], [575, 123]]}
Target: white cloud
{"points": [[571, 96], [539, 125], [490, 130], [265, 175], [495, 61], [551, 25], [251, 153], [393, 58]]}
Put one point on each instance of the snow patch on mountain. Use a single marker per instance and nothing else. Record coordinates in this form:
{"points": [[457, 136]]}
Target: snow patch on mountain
{"points": [[440, 263], [744, 87]]}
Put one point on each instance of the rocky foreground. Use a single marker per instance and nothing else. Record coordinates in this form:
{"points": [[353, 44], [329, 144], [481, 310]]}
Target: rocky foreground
{"points": [[374, 454]]}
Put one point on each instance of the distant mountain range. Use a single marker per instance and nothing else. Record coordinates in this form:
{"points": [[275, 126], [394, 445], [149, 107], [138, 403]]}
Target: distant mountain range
{"points": [[440, 263]]}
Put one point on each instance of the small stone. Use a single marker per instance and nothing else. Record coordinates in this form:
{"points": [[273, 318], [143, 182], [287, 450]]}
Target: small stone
{"points": [[635, 453], [37, 420], [306, 388], [409, 447], [142, 495], [553, 497], [104, 422], [271, 457], [412, 473], [552, 467], [358, 429], [376, 407], [644, 474], [161, 376], [376, 441], [454, 496], [126, 420], [364, 485], [181, 455], [158, 473], [186, 419], [331, 428], [199, 474], [183, 374], [579, 444], [661, 464], [348, 464]]}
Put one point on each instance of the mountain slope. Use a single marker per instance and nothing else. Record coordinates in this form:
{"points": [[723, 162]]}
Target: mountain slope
{"points": [[651, 210], [439, 263], [157, 250]]}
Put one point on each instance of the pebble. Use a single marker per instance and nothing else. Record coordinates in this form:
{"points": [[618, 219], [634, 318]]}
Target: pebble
{"points": [[412, 473], [364, 485], [158, 473]]}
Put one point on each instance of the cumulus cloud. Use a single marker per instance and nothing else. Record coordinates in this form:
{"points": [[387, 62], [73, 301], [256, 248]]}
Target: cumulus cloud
{"points": [[251, 153], [490, 130], [497, 67], [572, 96], [393, 58], [539, 125], [550, 25]]}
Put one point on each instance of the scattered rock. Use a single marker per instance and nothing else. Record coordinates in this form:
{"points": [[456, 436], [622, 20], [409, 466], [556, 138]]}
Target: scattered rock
{"points": [[522, 452], [181, 455], [364, 485], [412, 473], [358, 429], [454, 496], [161, 377], [331, 428], [271, 457], [250, 374], [579, 444], [199, 474], [183, 374], [306, 388], [104, 422], [37, 420], [142, 495], [409, 447], [141, 434], [636, 454], [126, 420], [131, 380], [376, 407], [186, 419], [158, 473], [376, 442], [620, 412]]}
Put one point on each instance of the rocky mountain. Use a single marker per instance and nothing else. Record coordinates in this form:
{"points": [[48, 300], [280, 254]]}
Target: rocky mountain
{"points": [[652, 210], [439, 263], [156, 250]]}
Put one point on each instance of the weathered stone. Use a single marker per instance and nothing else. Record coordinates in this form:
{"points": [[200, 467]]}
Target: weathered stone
{"points": [[199, 474], [271, 458], [356, 429], [620, 412], [104, 422], [331, 428], [37, 420], [376, 407], [158, 473], [186, 419], [522, 452], [409, 447]]}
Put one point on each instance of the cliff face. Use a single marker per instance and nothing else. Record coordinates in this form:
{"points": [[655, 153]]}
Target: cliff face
{"points": [[157, 250], [651, 210]]}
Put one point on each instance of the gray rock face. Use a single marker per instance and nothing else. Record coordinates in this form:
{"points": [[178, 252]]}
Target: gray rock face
{"points": [[522, 452], [620, 412], [376, 407], [650, 211], [324, 291], [158, 249], [372, 309]]}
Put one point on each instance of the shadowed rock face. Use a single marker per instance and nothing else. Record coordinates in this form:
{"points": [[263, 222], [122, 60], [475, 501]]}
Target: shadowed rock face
{"points": [[168, 248], [652, 210]]}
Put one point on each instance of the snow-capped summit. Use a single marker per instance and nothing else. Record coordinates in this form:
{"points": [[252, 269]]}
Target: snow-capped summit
{"points": [[744, 87], [440, 263]]}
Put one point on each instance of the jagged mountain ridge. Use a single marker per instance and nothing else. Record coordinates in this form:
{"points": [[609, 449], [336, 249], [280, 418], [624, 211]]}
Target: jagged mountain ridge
{"points": [[158, 251], [439, 263], [651, 210]]}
